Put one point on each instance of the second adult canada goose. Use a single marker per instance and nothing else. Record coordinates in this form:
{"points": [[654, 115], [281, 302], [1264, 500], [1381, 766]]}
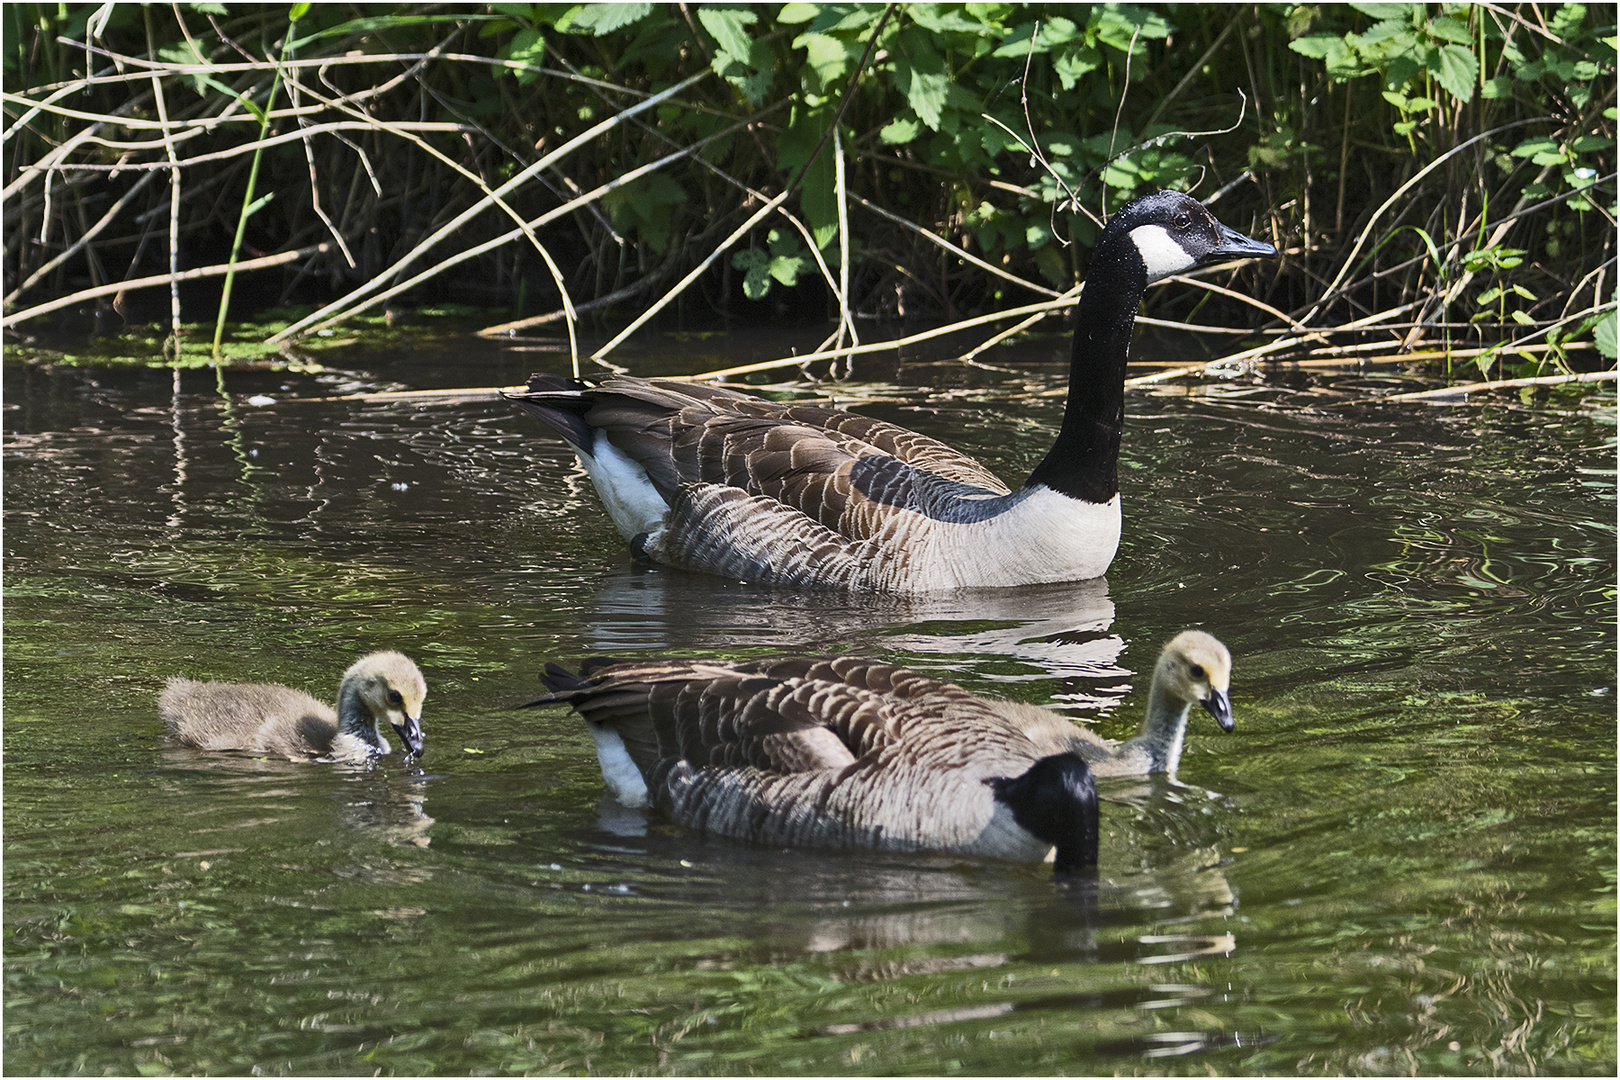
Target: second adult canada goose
{"points": [[711, 479], [262, 718], [852, 753]]}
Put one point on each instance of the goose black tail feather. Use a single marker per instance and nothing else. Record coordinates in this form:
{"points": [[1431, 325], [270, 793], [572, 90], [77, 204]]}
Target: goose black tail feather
{"points": [[558, 402], [565, 684]]}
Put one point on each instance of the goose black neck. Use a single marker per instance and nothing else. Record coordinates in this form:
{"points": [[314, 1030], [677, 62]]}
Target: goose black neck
{"points": [[1083, 462]]}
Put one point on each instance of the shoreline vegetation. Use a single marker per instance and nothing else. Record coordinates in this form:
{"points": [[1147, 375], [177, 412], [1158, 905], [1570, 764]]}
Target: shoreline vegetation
{"points": [[1439, 178]]}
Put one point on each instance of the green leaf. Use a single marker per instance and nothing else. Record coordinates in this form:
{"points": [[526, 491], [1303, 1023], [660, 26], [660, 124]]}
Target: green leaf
{"points": [[787, 268], [1317, 46], [1390, 11], [743, 62], [934, 18], [1051, 265], [1604, 336], [818, 197], [1053, 32], [1500, 86], [384, 22], [726, 25], [602, 19], [1566, 22], [1448, 29], [899, 132], [1075, 61], [1458, 71], [1392, 36], [827, 56], [526, 47], [296, 12], [755, 265], [926, 92], [1531, 147]]}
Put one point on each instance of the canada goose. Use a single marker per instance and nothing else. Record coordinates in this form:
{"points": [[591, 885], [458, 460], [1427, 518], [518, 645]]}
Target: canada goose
{"points": [[710, 479], [852, 753], [267, 719]]}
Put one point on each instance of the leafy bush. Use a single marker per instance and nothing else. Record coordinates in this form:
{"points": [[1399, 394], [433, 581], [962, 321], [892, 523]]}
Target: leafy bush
{"points": [[1389, 148]]}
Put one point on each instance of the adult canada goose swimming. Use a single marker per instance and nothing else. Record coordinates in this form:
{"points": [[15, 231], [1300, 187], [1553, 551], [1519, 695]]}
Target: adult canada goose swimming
{"points": [[267, 719], [851, 753], [710, 479]]}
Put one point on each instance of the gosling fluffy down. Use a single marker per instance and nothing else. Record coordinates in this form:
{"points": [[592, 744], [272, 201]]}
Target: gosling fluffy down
{"points": [[850, 753], [383, 687]]}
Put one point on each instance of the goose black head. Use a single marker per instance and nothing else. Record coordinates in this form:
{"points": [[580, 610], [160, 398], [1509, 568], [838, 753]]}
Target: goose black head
{"points": [[1055, 800], [1173, 233]]}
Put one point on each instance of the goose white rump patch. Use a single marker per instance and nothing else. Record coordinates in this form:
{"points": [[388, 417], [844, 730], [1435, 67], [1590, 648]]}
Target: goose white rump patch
{"points": [[1160, 252], [624, 780], [630, 498]]}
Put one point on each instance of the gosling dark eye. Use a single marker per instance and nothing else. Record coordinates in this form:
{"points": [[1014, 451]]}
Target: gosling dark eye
{"points": [[1196, 671], [394, 699]]}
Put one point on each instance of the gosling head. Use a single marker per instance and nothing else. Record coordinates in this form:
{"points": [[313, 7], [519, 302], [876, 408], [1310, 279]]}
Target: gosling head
{"points": [[391, 687], [1173, 233], [1196, 667]]}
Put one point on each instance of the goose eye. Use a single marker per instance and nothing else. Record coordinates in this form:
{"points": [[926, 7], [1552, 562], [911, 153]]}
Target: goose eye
{"points": [[394, 699], [1183, 220], [1196, 671]]}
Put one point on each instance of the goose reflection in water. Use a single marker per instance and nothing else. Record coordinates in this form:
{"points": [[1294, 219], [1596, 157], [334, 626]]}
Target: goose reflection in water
{"points": [[1001, 635]]}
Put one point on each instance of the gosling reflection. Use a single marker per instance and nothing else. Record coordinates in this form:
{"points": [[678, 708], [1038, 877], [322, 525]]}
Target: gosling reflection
{"points": [[392, 808]]}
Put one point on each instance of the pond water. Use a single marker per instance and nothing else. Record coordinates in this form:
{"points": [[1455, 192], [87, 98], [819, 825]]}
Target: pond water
{"points": [[1402, 861]]}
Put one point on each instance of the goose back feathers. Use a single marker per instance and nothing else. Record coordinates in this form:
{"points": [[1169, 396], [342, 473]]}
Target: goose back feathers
{"points": [[709, 479], [262, 718], [851, 753]]}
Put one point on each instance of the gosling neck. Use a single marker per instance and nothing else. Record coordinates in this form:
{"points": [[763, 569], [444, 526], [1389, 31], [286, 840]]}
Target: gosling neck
{"points": [[355, 718], [1083, 462], [1164, 730]]}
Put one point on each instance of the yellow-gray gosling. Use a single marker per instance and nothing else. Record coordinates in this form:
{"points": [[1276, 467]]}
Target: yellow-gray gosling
{"points": [[264, 718]]}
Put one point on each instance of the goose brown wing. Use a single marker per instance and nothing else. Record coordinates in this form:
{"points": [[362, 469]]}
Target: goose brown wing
{"points": [[708, 716], [804, 456], [798, 715]]}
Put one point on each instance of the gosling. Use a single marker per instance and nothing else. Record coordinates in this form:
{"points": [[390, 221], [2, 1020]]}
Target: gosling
{"points": [[1193, 668], [268, 719]]}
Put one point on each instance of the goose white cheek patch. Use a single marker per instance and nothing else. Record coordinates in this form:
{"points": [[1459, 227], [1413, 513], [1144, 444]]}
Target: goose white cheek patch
{"points": [[1161, 254]]}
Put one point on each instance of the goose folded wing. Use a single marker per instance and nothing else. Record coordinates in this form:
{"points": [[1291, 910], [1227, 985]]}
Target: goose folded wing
{"points": [[711, 717]]}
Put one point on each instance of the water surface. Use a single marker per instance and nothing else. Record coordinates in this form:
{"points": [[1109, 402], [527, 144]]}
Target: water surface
{"points": [[1403, 860]]}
